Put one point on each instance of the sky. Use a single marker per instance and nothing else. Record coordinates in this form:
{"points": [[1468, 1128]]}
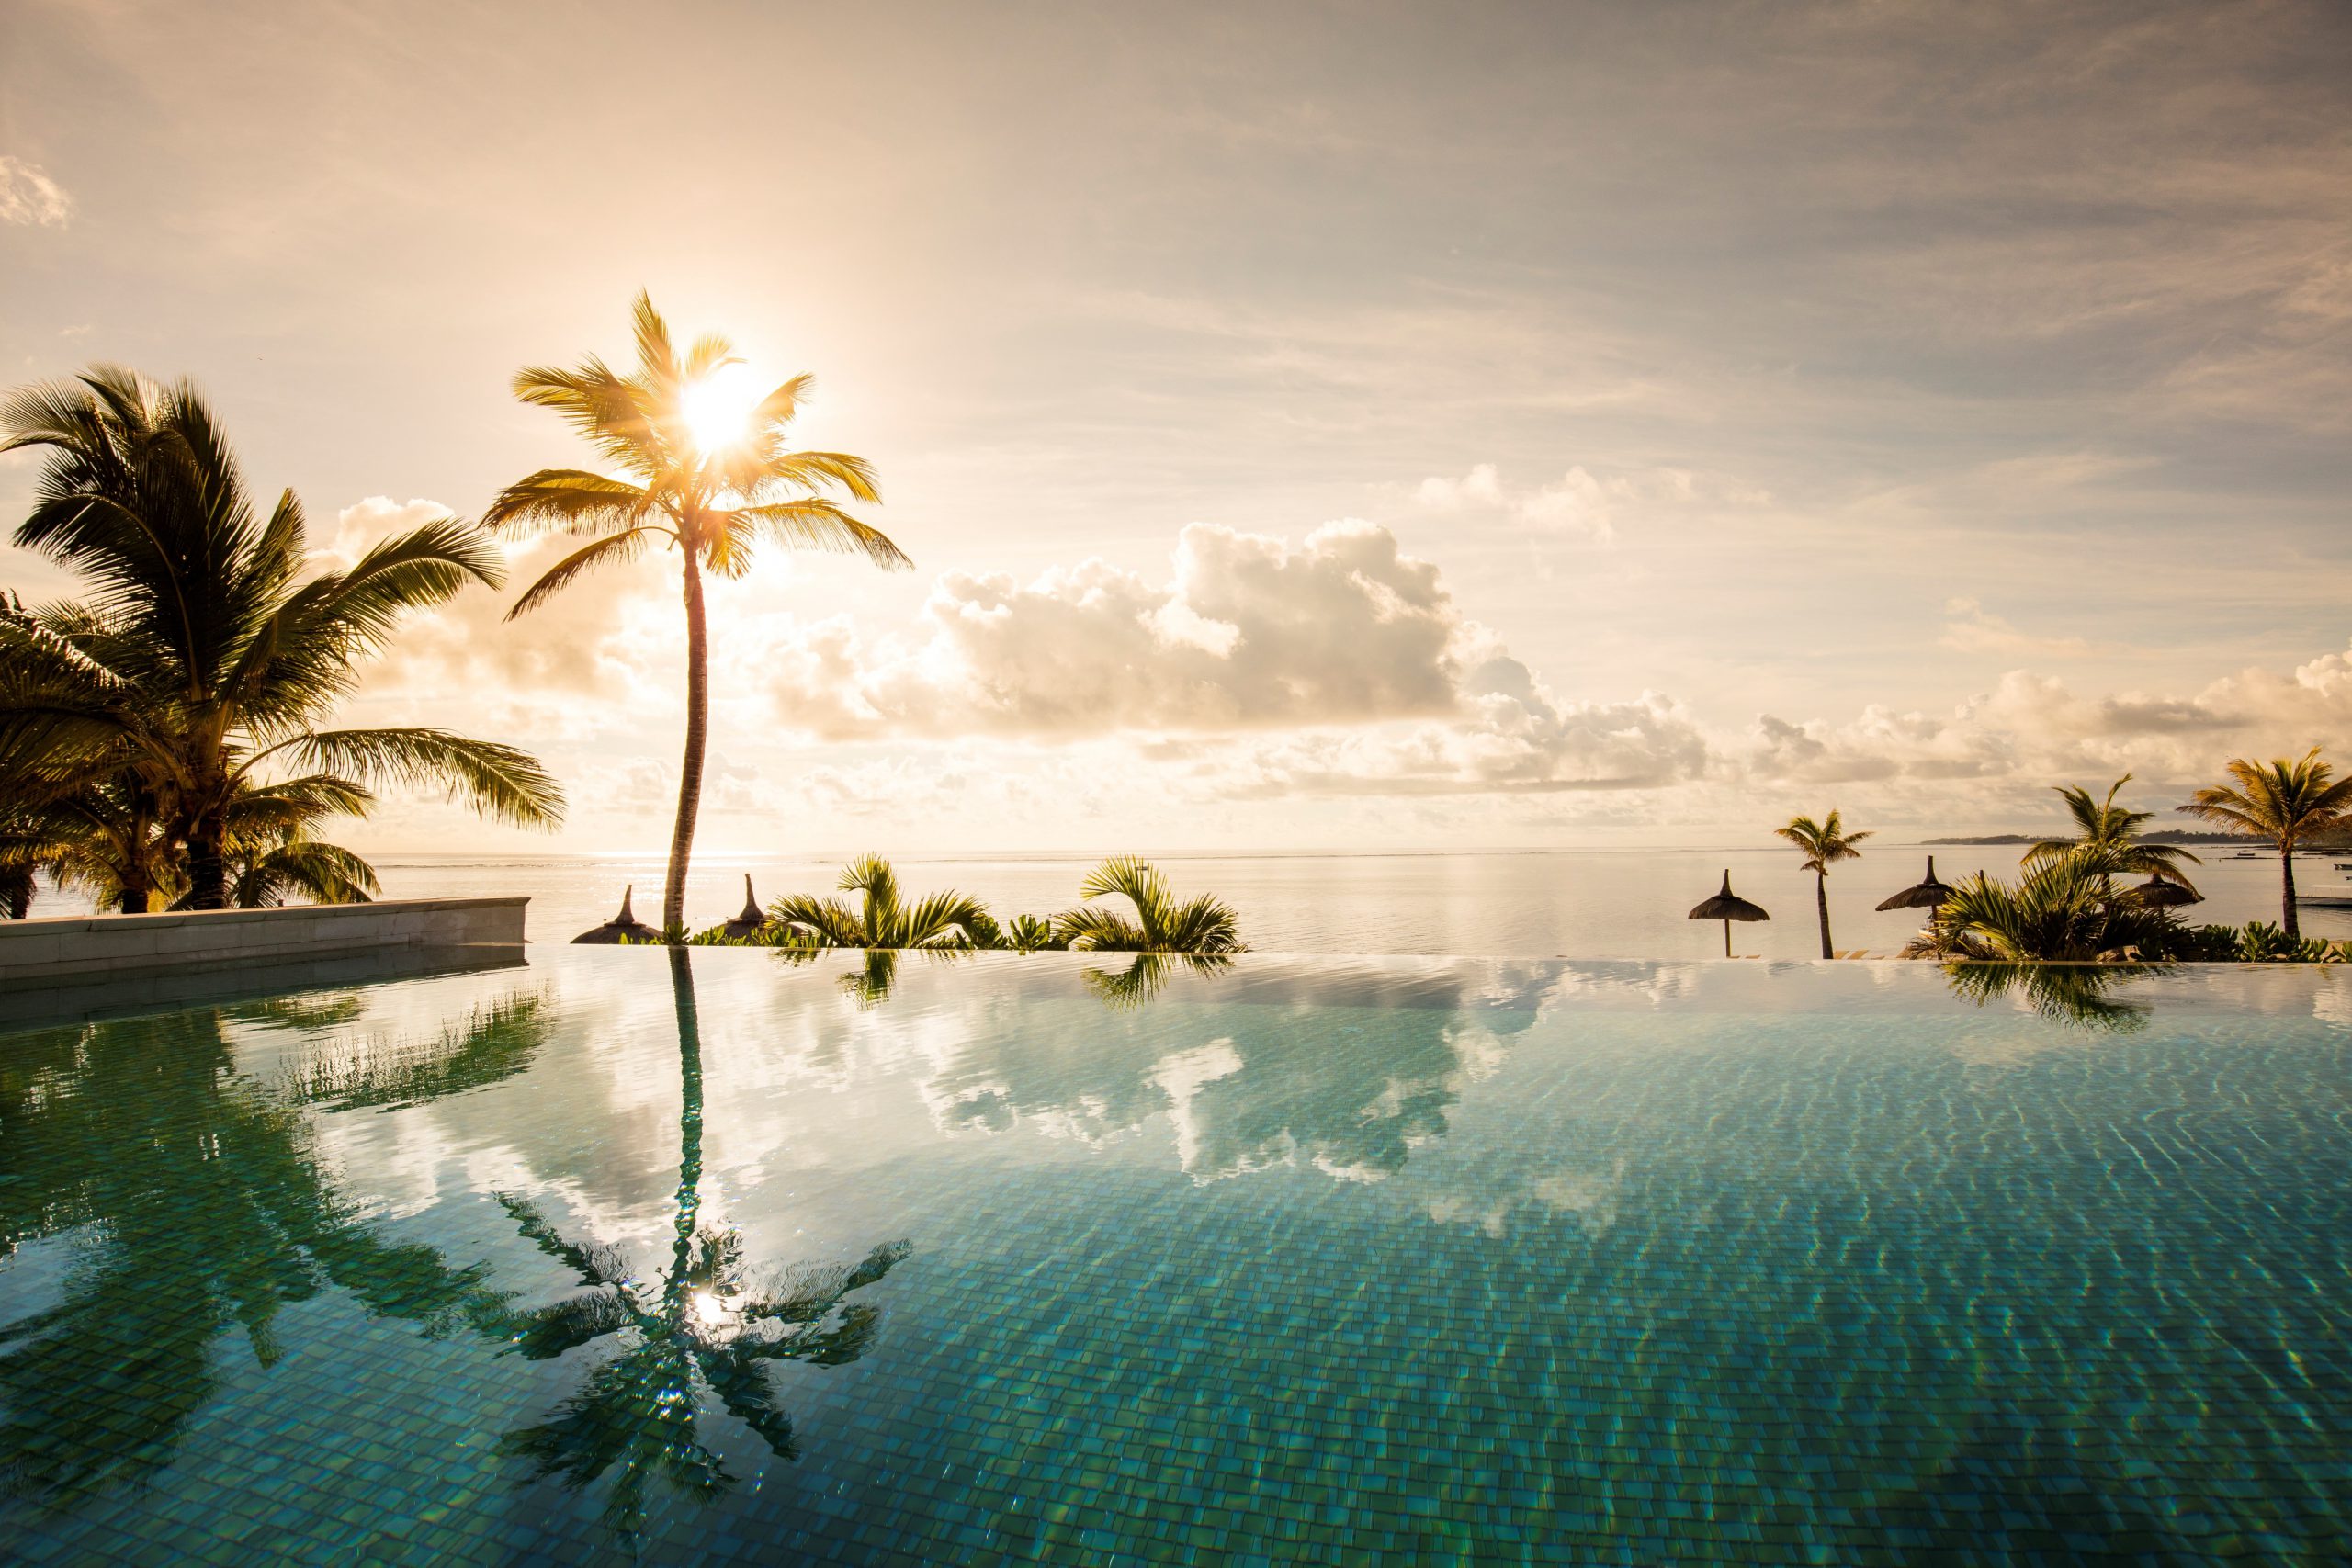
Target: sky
{"points": [[1313, 425]]}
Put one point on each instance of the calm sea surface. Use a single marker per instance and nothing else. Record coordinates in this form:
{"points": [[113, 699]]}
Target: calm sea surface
{"points": [[1569, 903], [1504, 903]]}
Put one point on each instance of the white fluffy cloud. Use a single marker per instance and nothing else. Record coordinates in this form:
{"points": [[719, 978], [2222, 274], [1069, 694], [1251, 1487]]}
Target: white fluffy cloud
{"points": [[1351, 650], [29, 196], [2035, 729]]}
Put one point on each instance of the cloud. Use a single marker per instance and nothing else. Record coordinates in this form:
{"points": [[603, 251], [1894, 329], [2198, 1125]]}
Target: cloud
{"points": [[29, 196], [1971, 628], [1248, 634], [1575, 503], [2034, 727], [1351, 649]]}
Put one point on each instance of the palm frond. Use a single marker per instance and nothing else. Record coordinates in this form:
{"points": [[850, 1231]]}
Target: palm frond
{"points": [[614, 549], [502, 781], [571, 501], [814, 524]]}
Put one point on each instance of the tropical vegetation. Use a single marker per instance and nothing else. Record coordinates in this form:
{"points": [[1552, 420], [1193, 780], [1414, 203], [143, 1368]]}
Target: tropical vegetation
{"points": [[711, 486], [1160, 922], [2106, 839], [2284, 801], [881, 918], [1824, 844], [164, 739]]}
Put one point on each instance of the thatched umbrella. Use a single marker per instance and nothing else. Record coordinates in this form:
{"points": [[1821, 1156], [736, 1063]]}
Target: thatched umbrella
{"points": [[1727, 906], [1925, 894], [2157, 894], [623, 927], [751, 921]]}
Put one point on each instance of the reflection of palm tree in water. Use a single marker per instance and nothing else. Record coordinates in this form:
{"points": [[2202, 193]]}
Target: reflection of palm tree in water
{"points": [[2064, 993], [706, 1327], [204, 1210], [1145, 979]]}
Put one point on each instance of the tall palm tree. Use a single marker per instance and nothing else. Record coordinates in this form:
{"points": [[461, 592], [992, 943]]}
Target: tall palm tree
{"points": [[2283, 801], [713, 500], [1205, 924], [202, 660], [882, 918], [2106, 839], [1825, 843]]}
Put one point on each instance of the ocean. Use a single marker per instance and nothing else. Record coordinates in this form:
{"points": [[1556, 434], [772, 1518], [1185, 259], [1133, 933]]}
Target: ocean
{"points": [[1613, 903]]}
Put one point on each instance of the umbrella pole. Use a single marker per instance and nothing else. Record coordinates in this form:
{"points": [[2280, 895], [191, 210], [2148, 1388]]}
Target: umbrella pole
{"points": [[1726, 939]]}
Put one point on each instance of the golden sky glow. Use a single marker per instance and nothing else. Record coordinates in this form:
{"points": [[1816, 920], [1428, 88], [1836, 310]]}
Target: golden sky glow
{"points": [[1311, 424]]}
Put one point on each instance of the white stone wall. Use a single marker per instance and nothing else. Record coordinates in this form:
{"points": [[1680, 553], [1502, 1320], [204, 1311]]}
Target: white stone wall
{"points": [[49, 953]]}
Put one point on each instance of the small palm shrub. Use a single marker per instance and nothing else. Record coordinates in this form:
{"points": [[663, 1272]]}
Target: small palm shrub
{"points": [[1162, 924]]}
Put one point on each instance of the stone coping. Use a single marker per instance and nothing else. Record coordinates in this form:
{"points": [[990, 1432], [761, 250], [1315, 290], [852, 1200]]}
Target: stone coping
{"points": [[39, 1004], [167, 918], [89, 947]]}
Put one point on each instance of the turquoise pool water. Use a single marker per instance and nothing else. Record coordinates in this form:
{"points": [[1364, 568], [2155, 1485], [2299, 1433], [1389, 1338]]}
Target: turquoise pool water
{"points": [[1038, 1260]]}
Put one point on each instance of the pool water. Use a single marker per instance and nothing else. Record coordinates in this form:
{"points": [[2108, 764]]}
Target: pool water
{"points": [[669, 1256]]}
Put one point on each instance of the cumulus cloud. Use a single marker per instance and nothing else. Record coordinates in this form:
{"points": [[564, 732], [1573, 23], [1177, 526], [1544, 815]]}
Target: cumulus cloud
{"points": [[29, 196], [1248, 633], [2034, 727], [1353, 649]]}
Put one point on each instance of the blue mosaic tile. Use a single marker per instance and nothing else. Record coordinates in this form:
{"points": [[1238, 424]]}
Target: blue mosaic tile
{"points": [[1326, 1261]]}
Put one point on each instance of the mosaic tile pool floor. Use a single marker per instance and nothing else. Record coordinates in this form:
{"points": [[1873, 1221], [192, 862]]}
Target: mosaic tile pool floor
{"points": [[1044, 1260]]}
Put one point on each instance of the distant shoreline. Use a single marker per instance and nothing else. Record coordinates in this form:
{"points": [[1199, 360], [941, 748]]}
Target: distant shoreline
{"points": [[2163, 836]]}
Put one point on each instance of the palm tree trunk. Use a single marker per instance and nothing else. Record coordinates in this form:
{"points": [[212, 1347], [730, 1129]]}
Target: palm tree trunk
{"points": [[1821, 898], [2286, 892], [682, 836], [17, 891], [208, 863]]}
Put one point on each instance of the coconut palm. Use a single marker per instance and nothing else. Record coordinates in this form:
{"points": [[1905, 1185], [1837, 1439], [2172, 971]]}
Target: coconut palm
{"points": [[1825, 843], [107, 842], [2106, 837], [715, 500], [2284, 801], [881, 918], [32, 835], [1204, 924], [203, 661]]}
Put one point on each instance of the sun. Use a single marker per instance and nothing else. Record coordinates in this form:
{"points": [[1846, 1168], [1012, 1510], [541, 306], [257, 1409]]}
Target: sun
{"points": [[717, 409]]}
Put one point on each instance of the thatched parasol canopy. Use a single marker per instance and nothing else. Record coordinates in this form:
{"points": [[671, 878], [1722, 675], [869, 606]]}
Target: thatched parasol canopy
{"points": [[2157, 894], [623, 927], [1925, 894], [753, 921], [1727, 906]]}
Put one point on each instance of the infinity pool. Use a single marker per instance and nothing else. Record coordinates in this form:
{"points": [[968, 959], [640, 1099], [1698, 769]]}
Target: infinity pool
{"points": [[1047, 1260]]}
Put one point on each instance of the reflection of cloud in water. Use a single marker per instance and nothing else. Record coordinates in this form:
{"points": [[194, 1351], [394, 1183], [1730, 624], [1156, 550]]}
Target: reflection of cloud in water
{"points": [[1346, 1068], [1590, 1195], [1180, 1077]]}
